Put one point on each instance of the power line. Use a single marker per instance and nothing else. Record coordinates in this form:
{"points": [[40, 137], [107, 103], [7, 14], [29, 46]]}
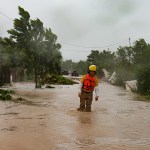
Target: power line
{"points": [[6, 16], [106, 46], [73, 45], [75, 51], [98, 47]]}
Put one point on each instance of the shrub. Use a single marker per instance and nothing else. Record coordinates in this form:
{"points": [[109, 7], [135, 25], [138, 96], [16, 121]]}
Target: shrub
{"points": [[5, 94], [56, 79]]}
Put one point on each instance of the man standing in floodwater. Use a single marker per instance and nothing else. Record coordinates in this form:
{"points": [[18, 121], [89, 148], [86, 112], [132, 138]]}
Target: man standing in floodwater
{"points": [[88, 84]]}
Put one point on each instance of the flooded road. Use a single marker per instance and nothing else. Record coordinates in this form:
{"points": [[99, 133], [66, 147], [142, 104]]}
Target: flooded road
{"points": [[48, 120]]}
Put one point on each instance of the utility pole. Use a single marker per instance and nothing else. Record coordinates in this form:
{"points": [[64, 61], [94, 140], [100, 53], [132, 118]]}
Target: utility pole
{"points": [[130, 49], [129, 42]]}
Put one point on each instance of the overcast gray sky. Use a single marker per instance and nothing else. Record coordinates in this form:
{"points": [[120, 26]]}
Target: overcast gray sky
{"points": [[82, 25]]}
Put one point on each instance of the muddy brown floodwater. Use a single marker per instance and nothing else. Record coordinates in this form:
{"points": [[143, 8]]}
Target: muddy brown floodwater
{"points": [[48, 120]]}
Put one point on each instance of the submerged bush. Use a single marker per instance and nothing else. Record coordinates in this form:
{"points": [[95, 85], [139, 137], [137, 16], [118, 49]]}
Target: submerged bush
{"points": [[56, 79], [5, 94]]}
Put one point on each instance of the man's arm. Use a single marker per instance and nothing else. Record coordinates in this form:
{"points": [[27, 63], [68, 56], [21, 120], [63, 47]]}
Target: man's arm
{"points": [[80, 88], [96, 89], [96, 93], [81, 85]]}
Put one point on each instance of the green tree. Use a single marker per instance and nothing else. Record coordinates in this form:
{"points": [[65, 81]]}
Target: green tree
{"points": [[34, 46], [141, 53], [81, 67], [103, 60], [131, 59], [124, 65], [50, 61], [143, 78], [107, 60], [125, 54], [67, 65], [94, 57]]}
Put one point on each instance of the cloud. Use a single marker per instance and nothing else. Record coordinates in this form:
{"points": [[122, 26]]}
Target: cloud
{"points": [[84, 22]]}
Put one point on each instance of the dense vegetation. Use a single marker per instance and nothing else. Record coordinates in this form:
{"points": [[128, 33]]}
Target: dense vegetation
{"points": [[31, 47], [34, 52], [56, 79], [6, 94], [129, 63]]}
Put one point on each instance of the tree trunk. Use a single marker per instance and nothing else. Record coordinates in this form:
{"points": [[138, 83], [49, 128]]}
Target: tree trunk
{"points": [[36, 80], [37, 83]]}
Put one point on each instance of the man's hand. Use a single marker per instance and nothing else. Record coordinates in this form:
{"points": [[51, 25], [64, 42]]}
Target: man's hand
{"points": [[96, 98], [79, 94]]}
